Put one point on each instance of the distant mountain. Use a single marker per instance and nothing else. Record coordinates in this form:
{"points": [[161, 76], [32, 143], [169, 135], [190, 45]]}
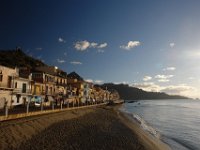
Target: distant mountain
{"points": [[17, 58], [131, 93]]}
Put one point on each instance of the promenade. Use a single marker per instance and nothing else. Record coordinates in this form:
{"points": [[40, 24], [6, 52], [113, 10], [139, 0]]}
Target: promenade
{"points": [[21, 111]]}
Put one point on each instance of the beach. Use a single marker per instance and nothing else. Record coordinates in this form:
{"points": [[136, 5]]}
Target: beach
{"points": [[101, 127]]}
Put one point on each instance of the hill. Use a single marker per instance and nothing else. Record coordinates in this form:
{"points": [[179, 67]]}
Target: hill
{"points": [[17, 58], [131, 93]]}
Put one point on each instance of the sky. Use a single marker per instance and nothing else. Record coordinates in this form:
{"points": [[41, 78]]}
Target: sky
{"points": [[153, 45]]}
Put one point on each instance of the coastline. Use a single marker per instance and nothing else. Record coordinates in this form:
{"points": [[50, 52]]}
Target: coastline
{"points": [[150, 142], [102, 127]]}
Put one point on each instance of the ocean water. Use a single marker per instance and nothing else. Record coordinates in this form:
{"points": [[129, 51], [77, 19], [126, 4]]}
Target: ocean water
{"points": [[175, 122]]}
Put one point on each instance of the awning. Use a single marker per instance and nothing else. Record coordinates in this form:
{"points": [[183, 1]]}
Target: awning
{"points": [[37, 99]]}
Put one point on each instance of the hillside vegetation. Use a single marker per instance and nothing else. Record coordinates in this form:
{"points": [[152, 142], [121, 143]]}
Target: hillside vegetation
{"points": [[17, 58], [127, 92]]}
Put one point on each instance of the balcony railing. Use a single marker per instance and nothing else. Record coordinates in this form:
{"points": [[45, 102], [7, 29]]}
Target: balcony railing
{"points": [[19, 90]]}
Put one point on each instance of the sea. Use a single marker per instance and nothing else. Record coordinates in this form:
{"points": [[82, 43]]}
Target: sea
{"points": [[175, 122]]}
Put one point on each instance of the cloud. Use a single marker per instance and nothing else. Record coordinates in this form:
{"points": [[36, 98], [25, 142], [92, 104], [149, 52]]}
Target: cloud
{"points": [[191, 78], [89, 80], [65, 53], [98, 81], [191, 54], [180, 89], [93, 45], [171, 45], [39, 48], [169, 69], [163, 78], [84, 45], [147, 78], [94, 81], [103, 45], [148, 86], [130, 45], [60, 61], [61, 40], [76, 62]]}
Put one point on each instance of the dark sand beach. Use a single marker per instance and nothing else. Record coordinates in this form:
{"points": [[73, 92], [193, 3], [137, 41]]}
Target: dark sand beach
{"points": [[89, 128]]}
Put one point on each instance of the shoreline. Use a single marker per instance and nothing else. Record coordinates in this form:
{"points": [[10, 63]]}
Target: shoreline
{"points": [[103, 127], [150, 141]]}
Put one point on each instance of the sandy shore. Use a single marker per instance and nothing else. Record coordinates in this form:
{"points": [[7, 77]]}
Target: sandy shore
{"points": [[89, 128]]}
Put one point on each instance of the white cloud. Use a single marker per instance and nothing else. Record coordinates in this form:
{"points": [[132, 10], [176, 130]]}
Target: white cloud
{"points": [[171, 45], [163, 78], [39, 48], [169, 69], [103, 45], [93, 45], [191, 54], [147, 78], [60, 61], [191, 78], [76, 62], [94, 81], [148, 86], [98, 81], [61, 40], [89, 80], [83, 45], [181, 89], [130, 45]]}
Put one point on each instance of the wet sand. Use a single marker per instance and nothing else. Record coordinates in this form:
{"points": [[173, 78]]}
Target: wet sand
{"points": [[88, 128]]}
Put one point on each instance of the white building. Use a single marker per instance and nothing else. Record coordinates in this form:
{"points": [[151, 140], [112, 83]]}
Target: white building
{"points": [[21, 91], [13, 89]]}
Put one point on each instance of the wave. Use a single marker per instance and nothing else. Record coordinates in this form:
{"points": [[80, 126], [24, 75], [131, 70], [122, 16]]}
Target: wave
{"points": [[178, 144], [145, 126]]}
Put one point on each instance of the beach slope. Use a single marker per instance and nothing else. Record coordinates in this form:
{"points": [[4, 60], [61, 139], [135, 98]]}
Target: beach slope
{"points": [[89, 128]]}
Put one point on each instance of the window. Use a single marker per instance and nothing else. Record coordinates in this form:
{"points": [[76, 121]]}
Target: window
{"points": [[18, 97], [24, 88], [1, 76], [15, 84]]}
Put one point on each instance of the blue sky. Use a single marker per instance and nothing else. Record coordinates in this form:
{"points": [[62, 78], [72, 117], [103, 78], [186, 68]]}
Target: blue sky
{"points": [[153, 45]]}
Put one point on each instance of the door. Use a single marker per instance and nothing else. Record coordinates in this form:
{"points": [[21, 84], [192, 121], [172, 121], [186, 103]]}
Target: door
{"points": [[24, 88]]}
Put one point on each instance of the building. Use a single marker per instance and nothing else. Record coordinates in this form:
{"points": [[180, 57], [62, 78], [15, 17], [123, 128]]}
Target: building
{"points": [[14, 90], [6, 84], [50, 83], [21, 93], [78, 88]]}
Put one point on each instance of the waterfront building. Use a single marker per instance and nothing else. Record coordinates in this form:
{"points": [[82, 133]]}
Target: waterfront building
{"points": [[78, 88], [21, 93], [50, 82], [14, 90], [6, 85]]}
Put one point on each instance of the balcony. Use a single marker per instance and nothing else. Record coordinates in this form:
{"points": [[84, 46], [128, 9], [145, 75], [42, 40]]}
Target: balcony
{"points": [[61, 84], [21, 91]]}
